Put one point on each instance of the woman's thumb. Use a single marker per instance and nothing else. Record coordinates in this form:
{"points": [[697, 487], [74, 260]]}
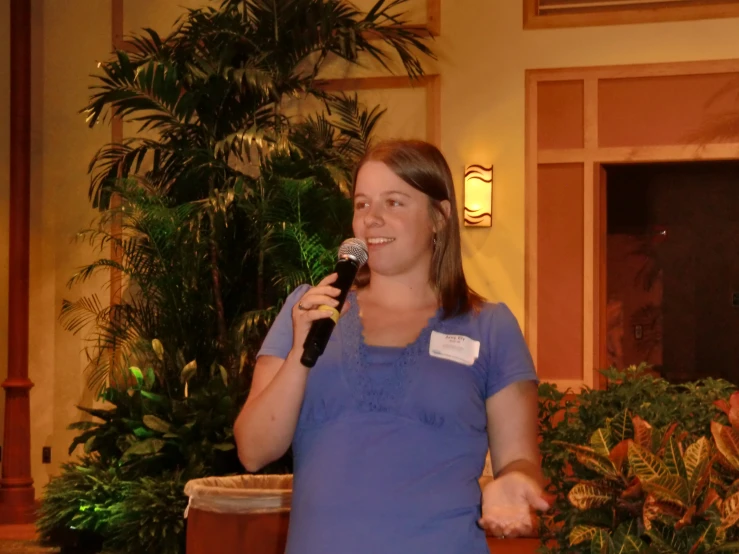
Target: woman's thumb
{"points": [[536, 500]]}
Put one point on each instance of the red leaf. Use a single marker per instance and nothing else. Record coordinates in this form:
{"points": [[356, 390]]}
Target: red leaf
{"points": [[711, 497], [620, 453], [642, 433]]}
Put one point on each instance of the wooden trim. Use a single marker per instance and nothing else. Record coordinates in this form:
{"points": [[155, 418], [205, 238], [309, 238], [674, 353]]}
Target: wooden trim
{"points": [[590, 250], [433, 110], [627, 154], [533, 20], [116, 136], [600, 259], [636, 70], [530, 214], [433, 17], [16, 486], [373, 83], [595, 247]]}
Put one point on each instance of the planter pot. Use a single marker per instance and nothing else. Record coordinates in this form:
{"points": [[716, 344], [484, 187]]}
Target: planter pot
{"points": [[251, 513], [247, 513]]}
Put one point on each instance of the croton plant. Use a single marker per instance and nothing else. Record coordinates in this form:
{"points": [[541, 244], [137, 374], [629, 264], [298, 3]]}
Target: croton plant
{"points": [[648, 490]]}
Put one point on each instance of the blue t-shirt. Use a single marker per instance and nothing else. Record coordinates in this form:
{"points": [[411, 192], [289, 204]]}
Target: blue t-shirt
{"points": [[390, 442]]}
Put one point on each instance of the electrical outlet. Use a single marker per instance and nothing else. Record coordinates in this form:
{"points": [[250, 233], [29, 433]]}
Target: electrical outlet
{"points": [[638, 332], [46, 455]]}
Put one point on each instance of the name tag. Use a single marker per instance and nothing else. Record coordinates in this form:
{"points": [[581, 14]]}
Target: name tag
{"points": [[456, 348]]}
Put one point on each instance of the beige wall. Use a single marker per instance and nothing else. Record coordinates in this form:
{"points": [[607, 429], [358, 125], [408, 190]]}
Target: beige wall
{"points": [[484, 53]]}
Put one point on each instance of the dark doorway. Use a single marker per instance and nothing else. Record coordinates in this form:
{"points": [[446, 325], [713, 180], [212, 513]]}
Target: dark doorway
{"points": [[673, 268]]}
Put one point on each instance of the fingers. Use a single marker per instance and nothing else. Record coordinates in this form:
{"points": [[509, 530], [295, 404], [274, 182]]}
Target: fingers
{"points": [[310, 301], [328, 279], [509, 522], [536, 500]]}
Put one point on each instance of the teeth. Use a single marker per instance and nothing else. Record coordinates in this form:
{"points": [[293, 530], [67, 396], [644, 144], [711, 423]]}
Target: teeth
{"points": [[379, 240]]}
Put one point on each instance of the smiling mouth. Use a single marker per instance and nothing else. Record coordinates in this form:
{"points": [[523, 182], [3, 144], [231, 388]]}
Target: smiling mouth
{"points": [[379, 241]]}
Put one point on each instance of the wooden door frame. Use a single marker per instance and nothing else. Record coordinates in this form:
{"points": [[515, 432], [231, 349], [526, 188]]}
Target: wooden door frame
{"points": [[592, 157]]}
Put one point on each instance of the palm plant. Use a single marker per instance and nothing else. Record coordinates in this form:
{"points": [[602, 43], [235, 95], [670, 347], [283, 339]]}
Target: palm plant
{"points": [[224, 202]]}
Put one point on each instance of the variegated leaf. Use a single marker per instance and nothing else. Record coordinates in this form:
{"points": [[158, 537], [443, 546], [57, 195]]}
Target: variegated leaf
{"points": [[661, 439], [727, 442], [600, 465], [687, 518], [659, 509], [585, 496], [674, 459], [668, 488], [621, 426], [659, 544], [626, 539], [695, 455], [601, 543], [711, 498], [730, 511], [619, 454], [705, 541], [645, 464], [582, 533], [642, 433], [601, 442]]}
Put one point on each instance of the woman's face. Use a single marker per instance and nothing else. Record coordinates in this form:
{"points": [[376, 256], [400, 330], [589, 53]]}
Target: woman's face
{"points": [[394, 219]]}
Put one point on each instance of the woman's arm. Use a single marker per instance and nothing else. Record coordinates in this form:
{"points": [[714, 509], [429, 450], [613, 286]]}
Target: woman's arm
{"points": [[512, 415], [265, 427]]}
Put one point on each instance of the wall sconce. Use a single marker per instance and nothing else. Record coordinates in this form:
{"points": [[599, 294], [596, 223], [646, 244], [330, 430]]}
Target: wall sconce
{"points": [[478, 196]]}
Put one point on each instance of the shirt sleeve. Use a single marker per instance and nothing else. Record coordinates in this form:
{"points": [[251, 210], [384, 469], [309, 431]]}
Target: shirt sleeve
{"points": [[279, 339], [510, 360]]}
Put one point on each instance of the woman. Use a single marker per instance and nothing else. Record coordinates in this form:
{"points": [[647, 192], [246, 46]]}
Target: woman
{"points": [[391, 427]]}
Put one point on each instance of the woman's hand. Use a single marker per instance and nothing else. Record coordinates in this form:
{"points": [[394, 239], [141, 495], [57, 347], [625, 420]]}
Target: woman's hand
{"points": [[507, 502], [308, 309]]}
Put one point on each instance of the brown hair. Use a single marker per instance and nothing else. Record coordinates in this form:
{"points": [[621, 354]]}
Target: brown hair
{"points": [[423, 167]]}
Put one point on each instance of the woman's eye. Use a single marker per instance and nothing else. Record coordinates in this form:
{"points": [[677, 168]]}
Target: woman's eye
{"points": [[360, 205], [394, 203]]}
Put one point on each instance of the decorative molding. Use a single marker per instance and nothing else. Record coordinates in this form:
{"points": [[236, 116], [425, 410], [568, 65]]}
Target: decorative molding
{"points": [[533, 20], [592, 157]]}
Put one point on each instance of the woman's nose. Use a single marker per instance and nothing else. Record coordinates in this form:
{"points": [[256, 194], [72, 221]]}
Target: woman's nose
{"points": [[373, 216]]}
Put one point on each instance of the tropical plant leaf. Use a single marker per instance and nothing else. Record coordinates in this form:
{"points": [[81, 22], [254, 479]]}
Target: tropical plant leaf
{"points": [[586, 496], [730, 511], [626, 539], [645, 464], [727, 442], [642, 433], [668, 488], [601, 442], [156, 424], [582, 533], [143, 448], [673, 459], [655, 509]]}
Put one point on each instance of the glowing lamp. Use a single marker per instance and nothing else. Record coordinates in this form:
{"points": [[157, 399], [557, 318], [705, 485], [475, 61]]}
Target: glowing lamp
{"points": [[478, 196]]}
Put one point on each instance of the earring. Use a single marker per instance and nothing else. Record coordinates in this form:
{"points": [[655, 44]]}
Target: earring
{"points": [[434, 241]]}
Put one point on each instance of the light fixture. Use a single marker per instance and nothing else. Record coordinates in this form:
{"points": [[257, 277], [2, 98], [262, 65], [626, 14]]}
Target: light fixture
{"points": [[478, 196]]}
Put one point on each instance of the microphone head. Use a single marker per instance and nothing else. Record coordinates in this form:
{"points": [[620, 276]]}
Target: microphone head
{"points": [[356, 249]]}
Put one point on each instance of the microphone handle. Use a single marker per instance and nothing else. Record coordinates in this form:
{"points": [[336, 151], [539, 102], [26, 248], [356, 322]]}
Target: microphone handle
{"points": [[320, 331]]}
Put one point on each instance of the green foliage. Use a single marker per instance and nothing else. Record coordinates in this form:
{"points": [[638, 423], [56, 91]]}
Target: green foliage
{"points": [[615, 469], [132, 513]]}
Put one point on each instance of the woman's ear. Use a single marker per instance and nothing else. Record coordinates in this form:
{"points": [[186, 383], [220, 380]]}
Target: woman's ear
{"points": [[442, 215]]}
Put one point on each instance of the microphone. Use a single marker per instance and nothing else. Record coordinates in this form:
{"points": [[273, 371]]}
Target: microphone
{"points": [[352, 255]]}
